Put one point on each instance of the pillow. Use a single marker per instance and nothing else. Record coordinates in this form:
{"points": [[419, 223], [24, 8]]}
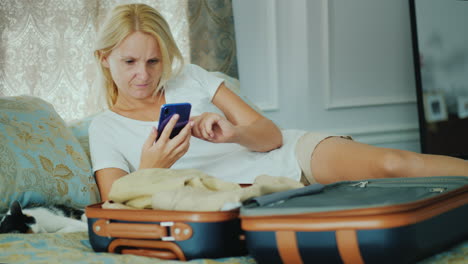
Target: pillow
{"points": [[41, 161], [79, 129]]}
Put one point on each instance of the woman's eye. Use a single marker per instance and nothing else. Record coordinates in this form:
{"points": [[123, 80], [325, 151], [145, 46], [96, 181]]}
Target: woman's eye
{"points": [[129, 61], [152, 62]]}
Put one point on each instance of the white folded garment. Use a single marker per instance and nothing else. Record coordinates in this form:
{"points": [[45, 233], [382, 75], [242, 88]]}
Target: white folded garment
{"points": [[190, 190]]}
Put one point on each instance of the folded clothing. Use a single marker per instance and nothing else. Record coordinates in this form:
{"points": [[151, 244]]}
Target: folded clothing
{"points": [[189, 190]]}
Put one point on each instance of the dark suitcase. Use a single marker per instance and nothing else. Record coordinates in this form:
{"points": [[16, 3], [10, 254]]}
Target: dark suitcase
{"points": [[399, 220], [165, 234]]}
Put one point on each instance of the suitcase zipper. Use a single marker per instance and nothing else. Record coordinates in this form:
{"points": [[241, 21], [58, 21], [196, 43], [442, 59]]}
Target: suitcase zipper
{"points": [[437, 190], [362, 184], [415, 181]]}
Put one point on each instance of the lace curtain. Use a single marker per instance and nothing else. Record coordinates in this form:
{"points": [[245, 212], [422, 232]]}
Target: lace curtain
{"points": [[46, 46]]}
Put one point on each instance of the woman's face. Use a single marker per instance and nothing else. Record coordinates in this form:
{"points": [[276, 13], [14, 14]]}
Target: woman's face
{"points": [[135, 65]]}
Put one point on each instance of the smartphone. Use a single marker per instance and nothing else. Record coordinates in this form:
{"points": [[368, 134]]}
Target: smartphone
{"points": [[167, 111]]}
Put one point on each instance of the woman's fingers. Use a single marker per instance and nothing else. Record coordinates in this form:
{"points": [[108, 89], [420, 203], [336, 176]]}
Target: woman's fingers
{"points": [[165, 152], [151, 138], [169, 127], [198, 127], [184, 135], [205, 125], [184, 144], [208, 127], [195, 126]]}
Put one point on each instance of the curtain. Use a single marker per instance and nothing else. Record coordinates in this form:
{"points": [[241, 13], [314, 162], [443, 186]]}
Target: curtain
{"points": [[212, 37], [46, 46]]}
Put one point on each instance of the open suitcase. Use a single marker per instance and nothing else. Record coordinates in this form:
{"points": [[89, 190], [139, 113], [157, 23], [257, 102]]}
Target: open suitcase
{"points": [[372, 221], [165, 234]]}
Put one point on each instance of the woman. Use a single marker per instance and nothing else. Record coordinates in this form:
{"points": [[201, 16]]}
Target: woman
{"points": [[142, 69]]}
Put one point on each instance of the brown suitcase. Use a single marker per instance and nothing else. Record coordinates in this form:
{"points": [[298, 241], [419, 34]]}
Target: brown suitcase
{"points": [[181, 235], [372, 221]]}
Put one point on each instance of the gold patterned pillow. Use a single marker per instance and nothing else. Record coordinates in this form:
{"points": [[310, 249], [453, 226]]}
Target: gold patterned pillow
{"points": [[41, 161], [79, 129]]}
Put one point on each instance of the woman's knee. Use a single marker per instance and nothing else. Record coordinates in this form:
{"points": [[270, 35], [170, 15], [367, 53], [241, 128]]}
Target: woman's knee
{"points": [[394, 163]]}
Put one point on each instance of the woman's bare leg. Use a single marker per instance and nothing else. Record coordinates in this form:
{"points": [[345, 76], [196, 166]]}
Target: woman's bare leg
{"points": [[337, 159]]}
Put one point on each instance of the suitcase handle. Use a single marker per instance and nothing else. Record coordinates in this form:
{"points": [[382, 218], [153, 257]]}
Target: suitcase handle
{"points": [[160, 254], [166, 231], [148, 248]]}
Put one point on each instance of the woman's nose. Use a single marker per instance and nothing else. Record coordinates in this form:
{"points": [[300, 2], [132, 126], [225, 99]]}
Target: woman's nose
{"points": [[142, 71]]}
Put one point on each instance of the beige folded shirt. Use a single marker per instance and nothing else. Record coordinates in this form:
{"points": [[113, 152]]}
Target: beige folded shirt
{"points": [[188, 190]]}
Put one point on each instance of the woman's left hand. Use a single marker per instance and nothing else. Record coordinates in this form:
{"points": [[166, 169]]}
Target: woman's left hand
{"points": [[214, 128]]}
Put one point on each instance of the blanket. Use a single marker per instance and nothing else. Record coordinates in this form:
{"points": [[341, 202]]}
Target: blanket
{"points": [[60, 248], [75, 248], [189, 190]]}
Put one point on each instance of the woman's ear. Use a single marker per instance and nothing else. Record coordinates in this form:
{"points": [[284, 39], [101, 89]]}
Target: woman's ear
{"points": [[104, 58], [105, 61]]}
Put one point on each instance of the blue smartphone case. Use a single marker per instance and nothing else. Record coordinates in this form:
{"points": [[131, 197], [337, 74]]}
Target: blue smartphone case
{"points": [[167, 111]]}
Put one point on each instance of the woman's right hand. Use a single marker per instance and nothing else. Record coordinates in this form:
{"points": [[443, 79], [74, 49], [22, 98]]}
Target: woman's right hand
{"points": [[165, 152]]}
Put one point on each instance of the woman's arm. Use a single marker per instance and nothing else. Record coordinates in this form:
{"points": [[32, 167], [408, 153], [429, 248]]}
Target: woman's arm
{"points": [[243, 125], [261, 135], [105, 178]]}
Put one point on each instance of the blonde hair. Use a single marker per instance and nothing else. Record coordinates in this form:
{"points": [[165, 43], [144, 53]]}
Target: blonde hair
{"points": [[124, 20]]}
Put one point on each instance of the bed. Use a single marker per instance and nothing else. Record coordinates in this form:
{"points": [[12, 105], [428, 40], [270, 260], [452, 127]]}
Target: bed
{"points": [[46, 160], [75, 248]]}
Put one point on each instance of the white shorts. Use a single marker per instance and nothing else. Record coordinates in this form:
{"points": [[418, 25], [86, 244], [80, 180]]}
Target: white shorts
{"points": [[305, 147]]}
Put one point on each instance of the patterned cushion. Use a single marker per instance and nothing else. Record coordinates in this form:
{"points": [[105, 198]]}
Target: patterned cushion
{"points": [[79, 129], [41, 161]]}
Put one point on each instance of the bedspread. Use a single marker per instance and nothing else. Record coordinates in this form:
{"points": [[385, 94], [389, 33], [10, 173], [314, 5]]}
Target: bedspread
{"points": [[66, 248], [75, 248]]}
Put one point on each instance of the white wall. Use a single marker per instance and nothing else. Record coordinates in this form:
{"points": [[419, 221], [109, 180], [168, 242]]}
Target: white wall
{"points": [[331, 65]]}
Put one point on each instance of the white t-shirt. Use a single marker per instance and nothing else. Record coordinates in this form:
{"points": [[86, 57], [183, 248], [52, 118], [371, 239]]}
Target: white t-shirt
{"points": [[116, 141]]}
